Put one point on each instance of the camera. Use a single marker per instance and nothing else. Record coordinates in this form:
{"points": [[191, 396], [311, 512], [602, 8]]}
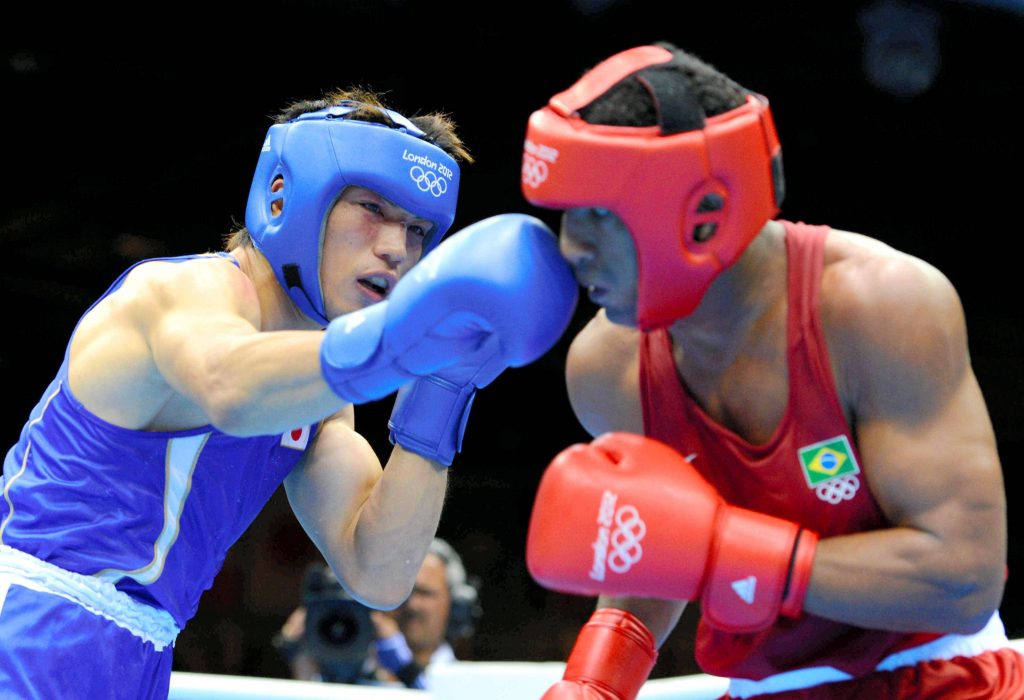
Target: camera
{"points": [[338, 628]]}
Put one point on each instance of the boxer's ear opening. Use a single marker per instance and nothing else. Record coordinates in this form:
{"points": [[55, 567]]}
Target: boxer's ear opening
{"points": [[702, 233], [277, 205], [614, 453]]}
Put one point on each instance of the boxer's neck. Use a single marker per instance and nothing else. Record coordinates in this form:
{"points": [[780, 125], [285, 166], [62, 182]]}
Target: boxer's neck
{"points": [[277, 311], [714, 334]]}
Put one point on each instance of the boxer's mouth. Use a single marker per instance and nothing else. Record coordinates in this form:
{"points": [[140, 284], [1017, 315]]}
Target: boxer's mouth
{"points": [[378, 284]]}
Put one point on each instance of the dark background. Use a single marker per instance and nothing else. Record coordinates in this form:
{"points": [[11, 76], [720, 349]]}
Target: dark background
{"points": [[126, 147]]}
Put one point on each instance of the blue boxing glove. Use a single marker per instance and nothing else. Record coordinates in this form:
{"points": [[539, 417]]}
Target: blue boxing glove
{"points": [[422, 327], [505, 278], [370, 353]]}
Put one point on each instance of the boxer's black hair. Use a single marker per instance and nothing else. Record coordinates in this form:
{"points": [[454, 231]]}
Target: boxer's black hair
{"points": [[630, 102], [437, 127]]}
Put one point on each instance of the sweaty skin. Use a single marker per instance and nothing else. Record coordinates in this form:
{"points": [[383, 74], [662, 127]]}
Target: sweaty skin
{"points": [[206, 342], [921, 423]]}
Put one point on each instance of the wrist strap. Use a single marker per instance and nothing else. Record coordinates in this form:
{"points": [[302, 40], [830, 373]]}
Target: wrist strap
{"points": [[429, 417], [615, 649], [799, 573], [748, 570]]}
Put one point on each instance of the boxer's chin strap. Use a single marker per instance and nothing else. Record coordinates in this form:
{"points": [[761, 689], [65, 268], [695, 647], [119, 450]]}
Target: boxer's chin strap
{"points": [[297, 291]]}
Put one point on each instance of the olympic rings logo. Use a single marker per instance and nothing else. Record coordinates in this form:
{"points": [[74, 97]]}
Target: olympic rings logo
{"points": [[625, 539], [535, 171], [428, 181], [836, 491]]}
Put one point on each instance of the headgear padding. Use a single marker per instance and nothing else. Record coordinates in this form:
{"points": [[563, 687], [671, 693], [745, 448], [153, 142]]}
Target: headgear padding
{"points": [[693, 199], [318, 155]]}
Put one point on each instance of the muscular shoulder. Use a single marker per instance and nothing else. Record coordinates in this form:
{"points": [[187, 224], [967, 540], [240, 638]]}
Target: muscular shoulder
{"points": [[602, 377], [895, 326], [157, 288], [113, 367], [210, 283]]}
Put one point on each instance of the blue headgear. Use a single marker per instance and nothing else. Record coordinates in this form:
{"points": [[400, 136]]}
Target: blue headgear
{"points": [[321, 153]]}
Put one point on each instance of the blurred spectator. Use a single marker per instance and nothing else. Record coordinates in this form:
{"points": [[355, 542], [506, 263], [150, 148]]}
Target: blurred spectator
{"points": [[334, 639]]}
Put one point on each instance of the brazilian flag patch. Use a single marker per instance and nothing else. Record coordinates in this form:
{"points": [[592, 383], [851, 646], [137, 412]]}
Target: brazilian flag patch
{"points": [[827, 460]]}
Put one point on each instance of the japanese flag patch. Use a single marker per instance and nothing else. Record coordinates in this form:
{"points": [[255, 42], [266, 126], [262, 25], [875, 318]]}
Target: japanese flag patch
{"points": [[296, 439]]}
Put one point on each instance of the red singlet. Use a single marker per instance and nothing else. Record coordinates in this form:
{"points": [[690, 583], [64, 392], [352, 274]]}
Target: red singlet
{"points": [[808, 472]]}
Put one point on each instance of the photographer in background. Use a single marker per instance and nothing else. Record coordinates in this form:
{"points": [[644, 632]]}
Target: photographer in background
{"points": [[334, 639]]}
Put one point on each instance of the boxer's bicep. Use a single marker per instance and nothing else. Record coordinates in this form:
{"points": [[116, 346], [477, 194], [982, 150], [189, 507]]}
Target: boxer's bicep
{"points": [[928, 455], [149, 338], [941, 480], [938, 472], [202, 326], [194, 317], [923, 430]]}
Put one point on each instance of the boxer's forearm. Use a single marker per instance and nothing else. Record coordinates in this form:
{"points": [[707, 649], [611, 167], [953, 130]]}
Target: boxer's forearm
{"points": [[395, 526], [372, 525], [905, 580], [660, 616]]}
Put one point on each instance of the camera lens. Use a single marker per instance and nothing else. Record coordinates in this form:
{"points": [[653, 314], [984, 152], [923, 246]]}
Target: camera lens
{"points": [[337, 630]]}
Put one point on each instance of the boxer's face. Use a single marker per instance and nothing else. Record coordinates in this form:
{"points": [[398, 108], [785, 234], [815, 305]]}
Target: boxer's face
{"points": [[369, 243], [602, 254], [423, 618]]}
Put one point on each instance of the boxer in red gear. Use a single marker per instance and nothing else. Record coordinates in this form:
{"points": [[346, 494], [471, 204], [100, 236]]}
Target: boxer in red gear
{"points": [[815, 376]]}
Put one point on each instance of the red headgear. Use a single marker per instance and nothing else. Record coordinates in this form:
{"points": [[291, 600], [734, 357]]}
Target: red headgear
{"points": [[692, 200]]}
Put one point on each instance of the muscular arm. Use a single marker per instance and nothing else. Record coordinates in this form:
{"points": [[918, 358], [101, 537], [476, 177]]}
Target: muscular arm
{"points": [[659, 616], [246, 381], [185, 339], [601, 375], [898, 333], [181, 343], [372, 525]]}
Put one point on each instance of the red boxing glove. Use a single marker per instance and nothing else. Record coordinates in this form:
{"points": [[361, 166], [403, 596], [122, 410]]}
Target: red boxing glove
{"points": [[627, 515], [612, 658]]}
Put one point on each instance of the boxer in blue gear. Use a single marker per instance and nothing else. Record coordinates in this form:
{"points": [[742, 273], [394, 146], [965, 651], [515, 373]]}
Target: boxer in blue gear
{"points": [[195, 386]]}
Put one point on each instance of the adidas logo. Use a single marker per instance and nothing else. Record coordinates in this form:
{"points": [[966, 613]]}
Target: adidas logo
{"points": [[746, 588]]}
